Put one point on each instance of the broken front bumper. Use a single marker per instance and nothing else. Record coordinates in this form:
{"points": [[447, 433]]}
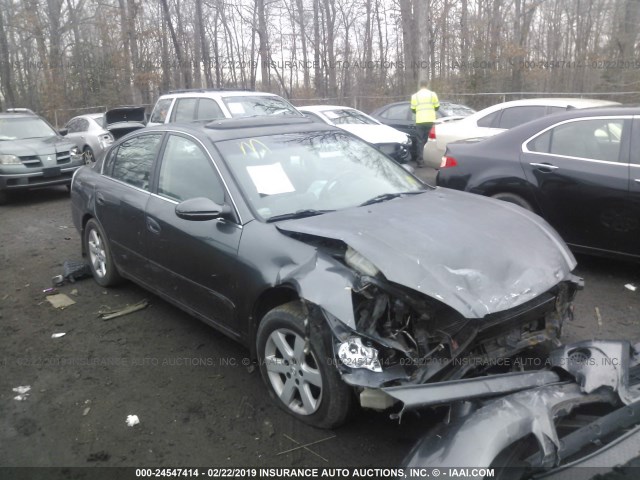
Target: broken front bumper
{"points": [[593, 372]]}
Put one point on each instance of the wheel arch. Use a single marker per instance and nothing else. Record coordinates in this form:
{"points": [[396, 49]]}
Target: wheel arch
{"points": [[513, 185], [268, 300]]}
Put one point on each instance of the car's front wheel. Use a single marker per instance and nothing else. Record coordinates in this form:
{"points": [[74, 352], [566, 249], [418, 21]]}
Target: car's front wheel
{"points": [[99, 253], [89, 157], [302, 381]]}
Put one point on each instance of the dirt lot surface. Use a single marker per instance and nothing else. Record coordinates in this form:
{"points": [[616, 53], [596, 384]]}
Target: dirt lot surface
{"points": [[198, 401]]}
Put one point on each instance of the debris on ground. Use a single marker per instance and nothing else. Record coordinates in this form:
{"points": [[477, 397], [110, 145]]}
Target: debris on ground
{"points": [[630, 286], [22, 391], [60, 300], [132, 420], [58, 335], [57, 281], [73, 270], [100, 456], [599, 317], [74, 292], [305, 446], [123, 311], [85, 412], [50, 291]]}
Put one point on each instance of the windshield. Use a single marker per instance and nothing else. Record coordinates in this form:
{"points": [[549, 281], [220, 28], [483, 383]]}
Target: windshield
{"points": [[313, 172], [345, 117], [20, 128], [258, 105]]}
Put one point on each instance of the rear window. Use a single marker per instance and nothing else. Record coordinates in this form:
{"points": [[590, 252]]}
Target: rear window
{"points": [[512, 117]]}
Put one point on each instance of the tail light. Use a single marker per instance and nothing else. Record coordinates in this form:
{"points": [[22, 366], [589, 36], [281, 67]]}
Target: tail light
{"points": [[447, 162], [432, 133]]}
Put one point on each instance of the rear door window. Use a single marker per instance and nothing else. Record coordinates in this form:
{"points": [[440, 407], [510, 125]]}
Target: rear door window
{"points": [[514, 116], [593, 139], [209, 109], [184, 110], [397, 112], [133, 162]]}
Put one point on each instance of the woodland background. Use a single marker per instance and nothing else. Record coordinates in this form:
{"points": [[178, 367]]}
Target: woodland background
{"points": [[65, 57]]}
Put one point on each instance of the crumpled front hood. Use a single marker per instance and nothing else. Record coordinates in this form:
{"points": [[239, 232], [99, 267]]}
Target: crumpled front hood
{"points": [[35, 146], [376, 133], [475, 254]]}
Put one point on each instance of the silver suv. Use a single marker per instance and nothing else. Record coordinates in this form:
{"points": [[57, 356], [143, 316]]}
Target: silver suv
{"points": [[214, 104], [33, 154]]}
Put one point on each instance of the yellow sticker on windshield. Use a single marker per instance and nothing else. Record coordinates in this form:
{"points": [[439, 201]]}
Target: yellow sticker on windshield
{"points": [[254, 146]]}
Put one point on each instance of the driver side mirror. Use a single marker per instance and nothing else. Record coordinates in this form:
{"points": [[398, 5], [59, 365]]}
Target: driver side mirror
{"points": [[63, 131], [200, 209]]}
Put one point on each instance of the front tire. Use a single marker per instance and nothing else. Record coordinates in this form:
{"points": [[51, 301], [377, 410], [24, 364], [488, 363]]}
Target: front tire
{"points": [[305, 385], [89, 157], [97, 247]]}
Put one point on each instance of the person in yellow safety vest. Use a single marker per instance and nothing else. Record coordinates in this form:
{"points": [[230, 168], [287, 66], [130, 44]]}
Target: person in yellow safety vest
{"points": [[424, 104]]}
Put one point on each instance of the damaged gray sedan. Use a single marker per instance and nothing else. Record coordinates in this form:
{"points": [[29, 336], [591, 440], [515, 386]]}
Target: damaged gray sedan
{"points": [[343, 273]]}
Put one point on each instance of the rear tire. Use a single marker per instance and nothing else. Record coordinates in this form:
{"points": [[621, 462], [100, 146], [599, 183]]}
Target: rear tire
{"points": [[305, 385], [97, 247], [513, 198]]}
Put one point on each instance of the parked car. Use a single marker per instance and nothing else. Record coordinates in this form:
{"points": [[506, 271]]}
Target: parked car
{"points": [[498, 118], [89, 134], [340, 270], [580, 170], [94, 132], [399, 116], [212, 104], [33, 153], [393, 142]]}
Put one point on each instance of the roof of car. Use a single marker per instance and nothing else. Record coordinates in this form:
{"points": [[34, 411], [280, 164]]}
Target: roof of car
{"points": [[217, 92], [93, 116], [324, 108], [559, 102], [531, 128], [231, 128], [17, 115]]}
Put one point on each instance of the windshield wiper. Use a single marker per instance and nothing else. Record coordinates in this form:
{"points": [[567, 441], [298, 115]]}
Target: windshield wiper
{"points": [[299, 214], [388, 196]]}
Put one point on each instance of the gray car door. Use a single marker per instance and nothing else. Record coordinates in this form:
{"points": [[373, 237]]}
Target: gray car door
{"points": [[122, 197], [192, 262]]}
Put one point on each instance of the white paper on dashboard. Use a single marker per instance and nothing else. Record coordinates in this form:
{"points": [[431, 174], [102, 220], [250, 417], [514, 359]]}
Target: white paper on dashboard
{"points": [[270, 179]]}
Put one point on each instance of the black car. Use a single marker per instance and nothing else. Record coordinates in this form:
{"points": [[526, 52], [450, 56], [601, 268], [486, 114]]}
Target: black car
{"points": [[33, 154], [399, 116], [340, 270], [580, 170]]}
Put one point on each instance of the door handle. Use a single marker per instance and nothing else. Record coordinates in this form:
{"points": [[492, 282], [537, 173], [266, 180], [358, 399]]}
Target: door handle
{"points": [[544, 166], [100, 199], [153, 226], [637, 180]]}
